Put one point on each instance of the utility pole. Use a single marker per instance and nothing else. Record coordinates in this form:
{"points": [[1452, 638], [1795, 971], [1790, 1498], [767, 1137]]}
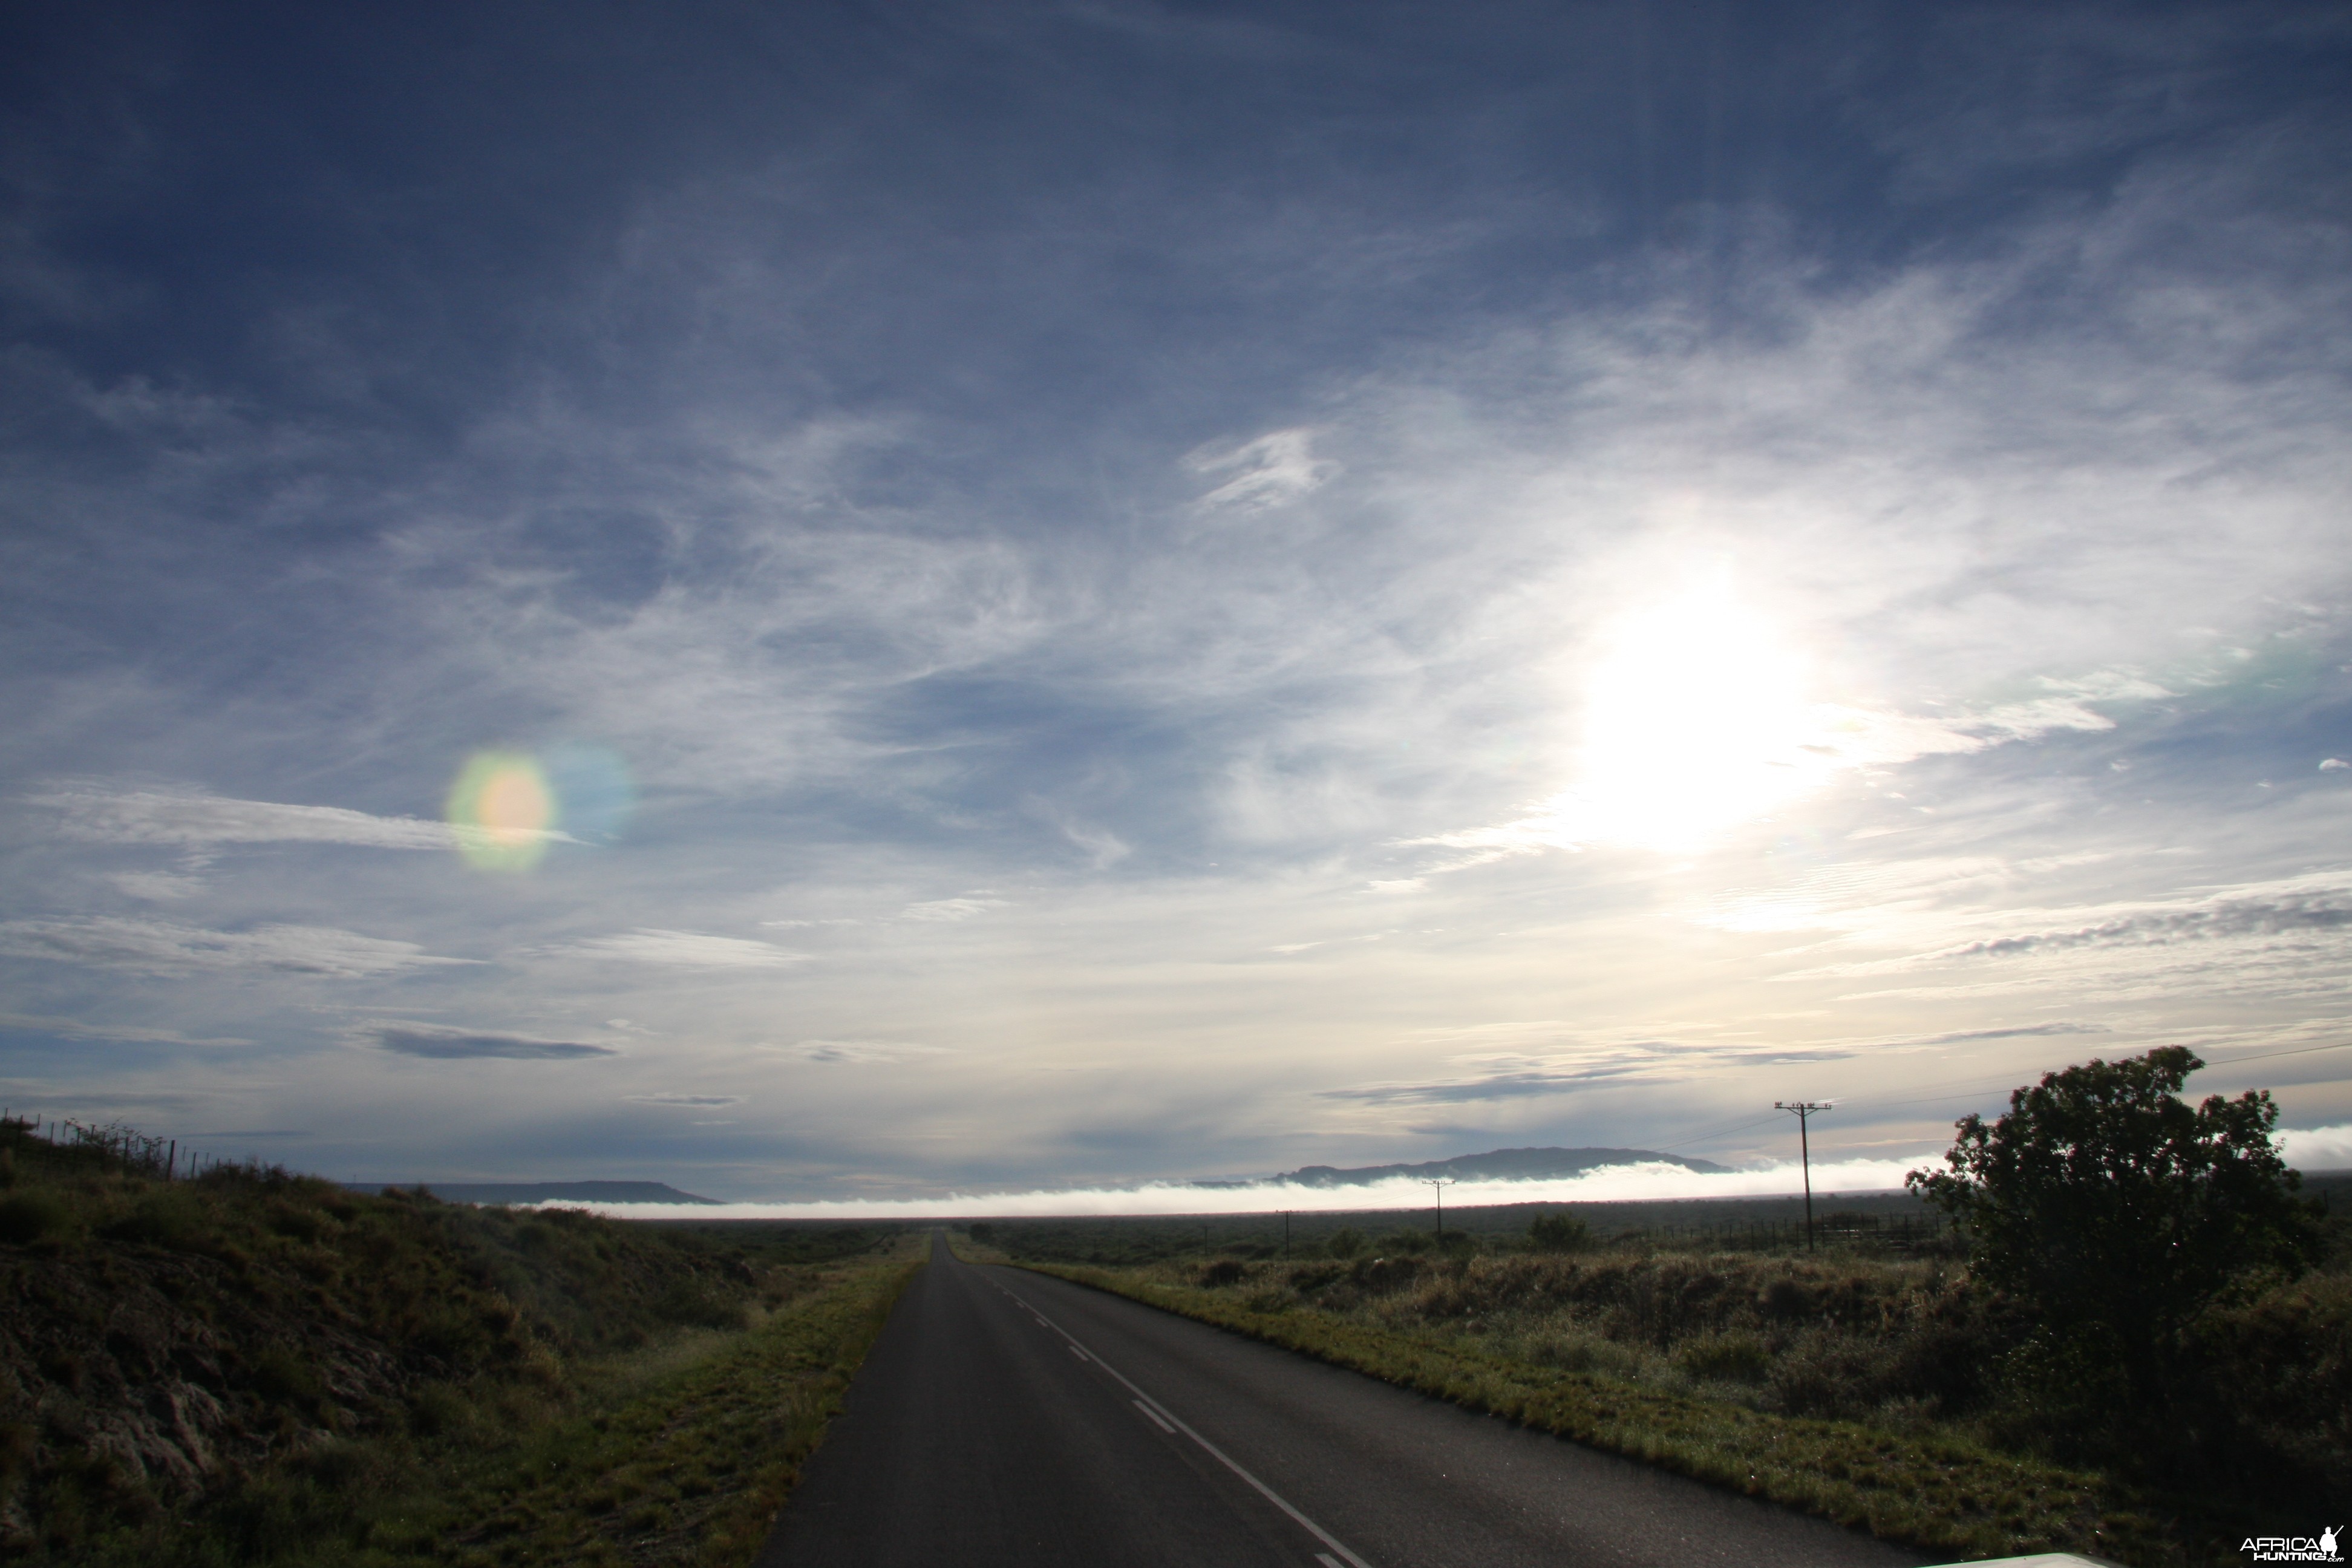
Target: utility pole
{"points": [[1440, 1183], [1286, 1236], [1805, 1110]]}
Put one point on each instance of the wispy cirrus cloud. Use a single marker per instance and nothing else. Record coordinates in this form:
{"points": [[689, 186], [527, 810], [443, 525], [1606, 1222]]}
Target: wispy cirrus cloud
{"points": [[2314, 905], [2023, 1032], [1275, 468], [2318, 912], [167, 948], [1815, 747], [131, 1034], [949, 910], [192, 820], [445, 1043], [1503, 1076], [195, 821], [680, 949], [866, 1051], [689, 1101]]}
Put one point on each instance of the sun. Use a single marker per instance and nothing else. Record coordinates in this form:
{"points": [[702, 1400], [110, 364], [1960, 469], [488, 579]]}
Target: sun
{"points": [[1697, 716]]}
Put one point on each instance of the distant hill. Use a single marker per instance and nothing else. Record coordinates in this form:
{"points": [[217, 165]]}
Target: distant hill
{"points": [[1498, 1165], [544, 1192]]}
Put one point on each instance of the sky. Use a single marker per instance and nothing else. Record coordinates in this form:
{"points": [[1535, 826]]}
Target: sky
{"points": [[839, 603]]}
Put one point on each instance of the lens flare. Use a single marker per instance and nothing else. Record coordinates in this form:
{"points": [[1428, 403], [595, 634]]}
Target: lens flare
{"points": [[592, 785], [503, 811]]}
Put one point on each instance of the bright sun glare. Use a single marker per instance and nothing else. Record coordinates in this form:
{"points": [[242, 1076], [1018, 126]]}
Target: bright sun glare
{"points": [[1697, 717]]}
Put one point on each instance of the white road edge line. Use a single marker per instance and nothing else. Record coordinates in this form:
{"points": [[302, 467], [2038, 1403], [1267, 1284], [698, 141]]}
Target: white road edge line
{"points": [[1326, 1559], [1162, 1425], [1153, 1408]]}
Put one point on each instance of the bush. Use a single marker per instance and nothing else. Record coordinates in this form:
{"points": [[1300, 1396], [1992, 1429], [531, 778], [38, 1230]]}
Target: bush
{"points": [[2118, 1213], [1724, 1357], [1344, 1243], [283, 1377], [1403, 1243], [1559, 1233], [171, 1219], [694, 1304], [28, 1217]]}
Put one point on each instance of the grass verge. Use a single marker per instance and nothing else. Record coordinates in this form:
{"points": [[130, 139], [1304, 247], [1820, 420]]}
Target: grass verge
{"points": [[1939, 1494], [692, 1471]]}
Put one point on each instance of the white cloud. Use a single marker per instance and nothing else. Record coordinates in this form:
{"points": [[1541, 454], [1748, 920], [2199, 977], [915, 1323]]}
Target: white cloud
{"points": [[156, 887], [1678, 780], [948, 909], [1278, 468], [162, 947], [2334, 764], [81, 1029], [691, 1102], [868, 1051], [1104, 848], [2317, 906], [1512, 1076], [195, 821], [682, 949]]}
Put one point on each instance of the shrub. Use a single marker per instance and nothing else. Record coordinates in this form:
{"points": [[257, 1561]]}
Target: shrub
{"points": [[436, 1409], [169, 1218], [1725, 1357], [283, 1377], [1828, 1374], [1344, 1243], [696, 1304], [1559, 1233], [1403, 1243], [28, 1217]]}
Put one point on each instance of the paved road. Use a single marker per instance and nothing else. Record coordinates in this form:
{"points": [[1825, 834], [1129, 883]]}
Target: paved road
{"points": [[1005, 1418]]}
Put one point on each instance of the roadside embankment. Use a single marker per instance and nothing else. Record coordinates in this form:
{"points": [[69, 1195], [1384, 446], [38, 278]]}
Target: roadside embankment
{"points": [[254, 1367]]}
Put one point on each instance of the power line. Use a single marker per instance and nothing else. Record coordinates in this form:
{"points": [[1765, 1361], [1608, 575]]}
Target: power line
{"points": [[1980, 1088]]}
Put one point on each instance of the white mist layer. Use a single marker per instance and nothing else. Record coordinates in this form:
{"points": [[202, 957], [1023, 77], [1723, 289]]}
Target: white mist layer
{"points": [[1610, 1183], [2317, 1148], [2311, 1149]]}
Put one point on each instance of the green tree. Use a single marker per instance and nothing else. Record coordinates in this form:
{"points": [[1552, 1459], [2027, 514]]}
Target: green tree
{"points": [[2118, 1212]]}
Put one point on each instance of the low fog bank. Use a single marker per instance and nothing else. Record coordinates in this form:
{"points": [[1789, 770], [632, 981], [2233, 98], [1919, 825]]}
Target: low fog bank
{"points": [[1610, 1183], [2315, 1149]]}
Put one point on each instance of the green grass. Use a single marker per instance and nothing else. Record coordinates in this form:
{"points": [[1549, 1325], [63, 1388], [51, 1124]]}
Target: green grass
{"points": [[689, 1470], [260, 1368], [1941, 1490]]}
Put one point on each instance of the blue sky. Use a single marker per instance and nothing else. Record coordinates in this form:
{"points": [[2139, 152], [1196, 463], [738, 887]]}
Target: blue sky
{"points": [[1043, 594]]}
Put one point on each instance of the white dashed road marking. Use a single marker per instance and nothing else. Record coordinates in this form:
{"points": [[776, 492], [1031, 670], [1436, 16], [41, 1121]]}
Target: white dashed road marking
{"points": [[1173, 1423]]}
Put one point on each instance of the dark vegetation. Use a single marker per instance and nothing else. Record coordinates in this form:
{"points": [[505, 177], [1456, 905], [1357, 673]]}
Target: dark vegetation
{"points": [[254, 1366], [1892, 1222], [2137, 1341]]}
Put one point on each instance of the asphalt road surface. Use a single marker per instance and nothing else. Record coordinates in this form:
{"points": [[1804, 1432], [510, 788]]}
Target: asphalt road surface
{"points": [[1005, 1418]]}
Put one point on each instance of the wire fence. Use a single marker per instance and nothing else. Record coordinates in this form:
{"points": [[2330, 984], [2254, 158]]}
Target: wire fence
{"points": [[125, 1148]]}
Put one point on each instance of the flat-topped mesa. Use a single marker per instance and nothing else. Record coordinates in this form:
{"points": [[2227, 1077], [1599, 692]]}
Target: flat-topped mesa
{"points": [[1498, 1165]]}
